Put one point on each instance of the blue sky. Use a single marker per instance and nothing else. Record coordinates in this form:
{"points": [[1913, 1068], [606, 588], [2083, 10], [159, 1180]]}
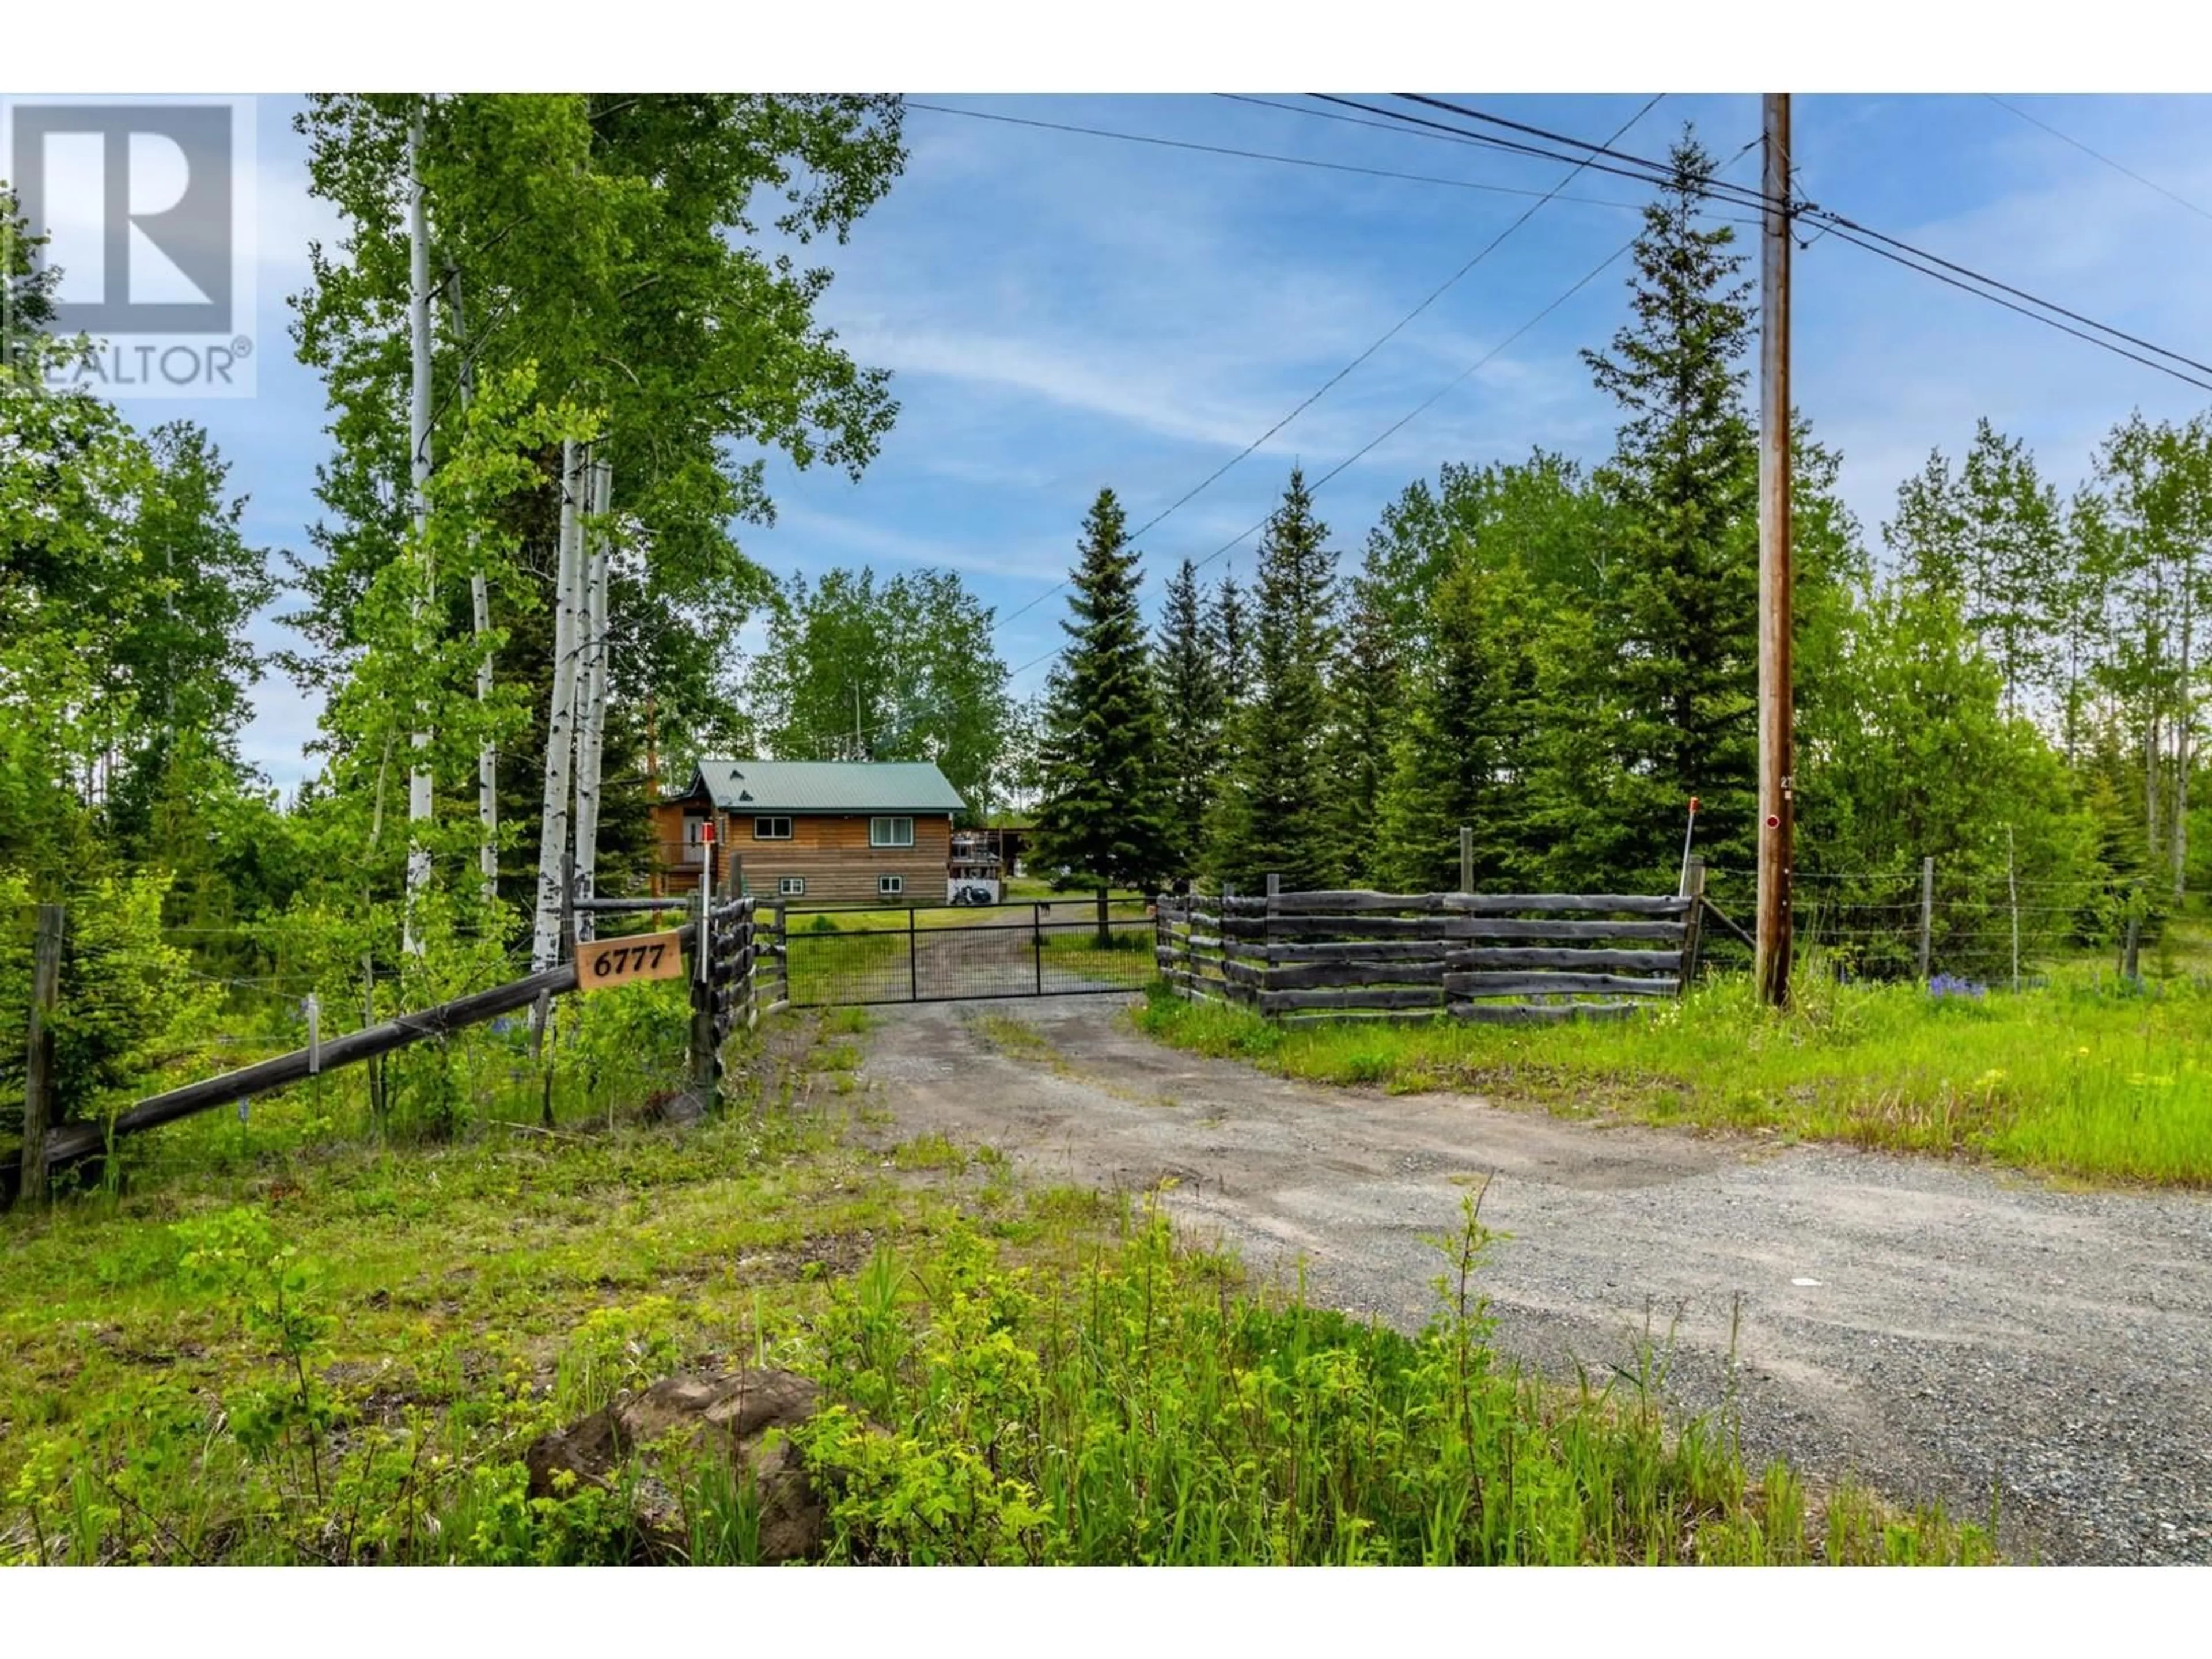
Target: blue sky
{"points": [[1063, 312]]}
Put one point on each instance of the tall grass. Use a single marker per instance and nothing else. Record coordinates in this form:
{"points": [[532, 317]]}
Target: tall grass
{"points": [[2080, 1076], [1149, 1410]]}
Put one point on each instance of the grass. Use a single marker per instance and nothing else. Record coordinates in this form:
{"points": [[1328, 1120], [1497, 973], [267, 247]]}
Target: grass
{"points": [[2084, 1076], [1152, 1408], [313, 1345]]}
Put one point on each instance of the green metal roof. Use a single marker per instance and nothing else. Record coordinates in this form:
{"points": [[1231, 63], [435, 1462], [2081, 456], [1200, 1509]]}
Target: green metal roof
{"points": [[751, 786]]}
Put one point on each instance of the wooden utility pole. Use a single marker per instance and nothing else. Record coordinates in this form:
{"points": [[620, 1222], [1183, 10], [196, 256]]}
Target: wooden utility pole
{"points": [[1775, 825]]}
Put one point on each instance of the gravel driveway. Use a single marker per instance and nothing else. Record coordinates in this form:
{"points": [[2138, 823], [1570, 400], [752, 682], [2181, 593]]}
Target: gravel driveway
{"points": [[1940, 1330]]}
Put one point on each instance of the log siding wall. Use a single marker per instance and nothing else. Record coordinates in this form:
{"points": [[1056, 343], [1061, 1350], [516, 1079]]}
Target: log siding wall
{"points": [[829, 851]]}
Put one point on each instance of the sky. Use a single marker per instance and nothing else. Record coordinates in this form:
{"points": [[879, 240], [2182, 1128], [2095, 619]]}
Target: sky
{"points": [[1063, 312]]}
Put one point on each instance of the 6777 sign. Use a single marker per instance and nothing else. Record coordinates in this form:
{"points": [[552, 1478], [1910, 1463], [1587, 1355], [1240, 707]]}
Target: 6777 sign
{"points": [[604, 963]]}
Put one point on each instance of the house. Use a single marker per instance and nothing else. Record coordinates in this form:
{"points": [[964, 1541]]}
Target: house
{"points": [[813, 832]]}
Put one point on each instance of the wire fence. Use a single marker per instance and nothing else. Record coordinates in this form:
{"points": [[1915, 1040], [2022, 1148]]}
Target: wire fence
{"points": [[1926, 921]]}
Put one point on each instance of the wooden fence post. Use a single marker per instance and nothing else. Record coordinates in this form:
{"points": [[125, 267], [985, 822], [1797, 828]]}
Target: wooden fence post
{"points": [[39, 1072], [1267, 941], [1190, 939], [1465, 858], [1927, 912], [1694, 889], [1230, 990]]}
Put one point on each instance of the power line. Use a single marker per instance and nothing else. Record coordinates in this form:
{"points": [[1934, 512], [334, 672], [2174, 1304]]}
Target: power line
{"points": [[1267, 155], [1428, 402], [1419, 410], [1384, 338], [1390, 333], [2096, 156], [1643, 170], [1839, 224], [1994, 299]]}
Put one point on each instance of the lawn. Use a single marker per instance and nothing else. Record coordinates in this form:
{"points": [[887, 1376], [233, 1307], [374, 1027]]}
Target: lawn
{"points": [[2084, 1076], [282, 1342]]}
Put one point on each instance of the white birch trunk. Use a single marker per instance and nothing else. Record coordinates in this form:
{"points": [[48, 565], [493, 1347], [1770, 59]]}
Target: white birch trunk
{"points": [[560, 735], [592, 692], [418, 446], [2184, 724], [480, 621]]}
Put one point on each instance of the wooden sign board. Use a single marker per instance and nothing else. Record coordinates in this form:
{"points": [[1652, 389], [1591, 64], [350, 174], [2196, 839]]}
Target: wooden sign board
{"points": [[610, 962]]}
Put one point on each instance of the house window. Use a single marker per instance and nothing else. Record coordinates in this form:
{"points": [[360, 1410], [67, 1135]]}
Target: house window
{"points": [[790, 886], [891, 832], [889, 886], [771, 829]]}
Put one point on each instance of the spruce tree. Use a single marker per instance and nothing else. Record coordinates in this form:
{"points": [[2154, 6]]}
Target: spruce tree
{"points": [[1467, 738], [1191, 701], [1229, 627], [1105, 816], [1274, 818], [1365, 716], [1677, 619]]}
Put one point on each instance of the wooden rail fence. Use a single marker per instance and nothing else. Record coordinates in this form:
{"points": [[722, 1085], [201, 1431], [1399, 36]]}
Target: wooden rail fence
{"points": [[725, 990], [1500, 957]]}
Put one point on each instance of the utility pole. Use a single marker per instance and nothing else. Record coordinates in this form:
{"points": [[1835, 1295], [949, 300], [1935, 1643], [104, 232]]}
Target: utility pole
{"points": [[1774, 813]]}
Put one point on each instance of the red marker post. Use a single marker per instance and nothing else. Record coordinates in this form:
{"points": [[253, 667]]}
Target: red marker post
{"points": [[705, 897]]}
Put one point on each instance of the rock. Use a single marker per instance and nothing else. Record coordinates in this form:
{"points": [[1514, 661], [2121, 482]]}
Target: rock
{"points": [[731, 1414]]}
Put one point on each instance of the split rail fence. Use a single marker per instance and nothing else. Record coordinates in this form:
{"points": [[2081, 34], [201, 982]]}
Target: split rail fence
{"points": [[1496, 958]]}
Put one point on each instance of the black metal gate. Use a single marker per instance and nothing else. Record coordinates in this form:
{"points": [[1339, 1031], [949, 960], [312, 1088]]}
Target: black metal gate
{"points": [[1039, 948]]}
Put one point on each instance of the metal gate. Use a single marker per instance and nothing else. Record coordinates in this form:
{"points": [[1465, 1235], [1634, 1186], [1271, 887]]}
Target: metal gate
{"points": [[1039, 948]]}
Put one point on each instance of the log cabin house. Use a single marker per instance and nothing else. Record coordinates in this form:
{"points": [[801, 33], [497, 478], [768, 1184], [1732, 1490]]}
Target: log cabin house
{"points": [[812, 832]]}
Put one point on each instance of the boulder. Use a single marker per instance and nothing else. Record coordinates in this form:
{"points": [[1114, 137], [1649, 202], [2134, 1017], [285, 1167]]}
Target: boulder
{"points": [[730, 1415]]}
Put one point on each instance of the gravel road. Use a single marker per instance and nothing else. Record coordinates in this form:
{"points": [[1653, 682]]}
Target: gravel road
{"points": [[1941, 1331]]}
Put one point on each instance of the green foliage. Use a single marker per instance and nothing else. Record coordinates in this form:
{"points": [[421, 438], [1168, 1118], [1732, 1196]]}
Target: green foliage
{"points": [[131, 1004], [1466, 751], [1881, 786], [1151, 1410], [1675, 618], [1272, 815], [615, 241], [906, 670], [1194, 701], [2090, 1077], [1106, 813], [1367, 693]]}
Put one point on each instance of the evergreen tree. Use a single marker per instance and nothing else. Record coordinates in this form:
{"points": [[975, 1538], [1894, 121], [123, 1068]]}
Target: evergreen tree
{"points": [[1467, 738], [1272, 816], [1106, 815], [1191, 704], [1677, 619], [1229, 628], [1365, 689]]}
